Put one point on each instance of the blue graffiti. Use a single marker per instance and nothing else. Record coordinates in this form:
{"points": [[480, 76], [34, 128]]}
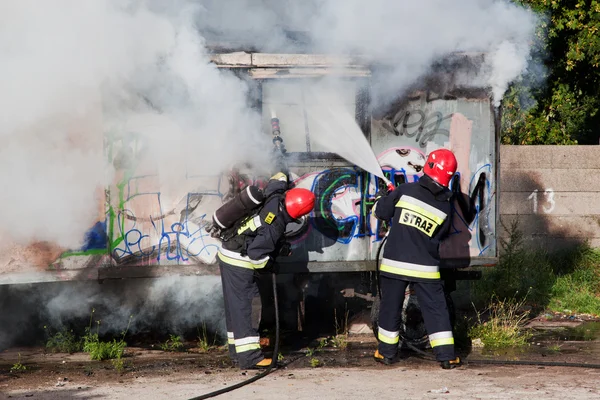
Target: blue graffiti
{"points": [[176, 242], [471, 217], [96, 237], [328, 184]]}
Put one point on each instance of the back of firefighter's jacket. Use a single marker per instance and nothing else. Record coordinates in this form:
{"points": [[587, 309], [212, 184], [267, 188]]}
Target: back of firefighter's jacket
{"points": [[420, 216]]}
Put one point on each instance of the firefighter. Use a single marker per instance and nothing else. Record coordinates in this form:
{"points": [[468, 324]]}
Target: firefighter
{"points": [[421, 219], [253, 249]]}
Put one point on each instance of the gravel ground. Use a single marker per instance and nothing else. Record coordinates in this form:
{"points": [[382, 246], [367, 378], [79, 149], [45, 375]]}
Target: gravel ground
{"points": [[414, 382], [348, 374]]}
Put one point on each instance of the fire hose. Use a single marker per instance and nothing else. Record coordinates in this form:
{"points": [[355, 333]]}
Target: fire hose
{"points": [[426, 356]]}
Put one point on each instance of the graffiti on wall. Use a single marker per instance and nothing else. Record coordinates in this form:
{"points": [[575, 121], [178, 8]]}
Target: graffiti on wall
{"points": [[419, 125], [143, 225]]}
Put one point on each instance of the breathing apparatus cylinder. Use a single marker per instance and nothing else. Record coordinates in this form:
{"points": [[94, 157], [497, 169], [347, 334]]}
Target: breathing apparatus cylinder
{"points": [[240, 206]]}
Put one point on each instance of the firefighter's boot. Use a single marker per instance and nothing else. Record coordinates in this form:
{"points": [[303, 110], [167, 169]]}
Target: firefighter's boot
{"points": [[450, 364], [264, 363], [384, 360]]}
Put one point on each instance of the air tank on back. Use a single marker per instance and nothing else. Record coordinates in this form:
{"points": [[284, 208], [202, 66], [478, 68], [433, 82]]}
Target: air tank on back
{"points": [[238, 207]]}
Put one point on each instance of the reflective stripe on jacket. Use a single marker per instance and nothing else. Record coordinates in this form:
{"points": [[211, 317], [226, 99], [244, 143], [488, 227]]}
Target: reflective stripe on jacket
{"points": [[238, 260], [409, 270]]}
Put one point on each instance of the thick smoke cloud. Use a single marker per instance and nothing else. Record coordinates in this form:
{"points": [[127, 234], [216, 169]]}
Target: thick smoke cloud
{"points": [[73, 71], [406, 35]]}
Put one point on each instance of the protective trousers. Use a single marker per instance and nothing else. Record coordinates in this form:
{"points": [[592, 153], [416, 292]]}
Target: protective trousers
{"points": [[434, 308], [240, 290]]}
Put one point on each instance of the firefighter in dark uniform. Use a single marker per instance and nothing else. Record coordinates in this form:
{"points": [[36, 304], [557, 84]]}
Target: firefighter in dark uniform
{"points": [[254, 247], [420, 214]]}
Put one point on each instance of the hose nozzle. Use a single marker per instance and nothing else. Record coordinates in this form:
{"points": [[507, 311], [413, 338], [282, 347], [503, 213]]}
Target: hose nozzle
{"points": [[389, 184], [275, 130]]}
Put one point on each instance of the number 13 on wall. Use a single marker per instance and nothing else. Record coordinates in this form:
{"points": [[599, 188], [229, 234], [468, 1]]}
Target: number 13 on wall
{"points": [[549, 199]]}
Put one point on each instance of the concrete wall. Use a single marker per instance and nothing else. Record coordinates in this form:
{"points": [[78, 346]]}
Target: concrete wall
{"points": [[553, 191]]}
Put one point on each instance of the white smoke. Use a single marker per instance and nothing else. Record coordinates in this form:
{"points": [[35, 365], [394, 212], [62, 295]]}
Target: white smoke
{"points": [[72, 71], [405, 36]]}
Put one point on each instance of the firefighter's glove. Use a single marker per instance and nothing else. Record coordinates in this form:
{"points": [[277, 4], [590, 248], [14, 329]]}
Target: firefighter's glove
{"points": [[378, 196], [213, 230]]}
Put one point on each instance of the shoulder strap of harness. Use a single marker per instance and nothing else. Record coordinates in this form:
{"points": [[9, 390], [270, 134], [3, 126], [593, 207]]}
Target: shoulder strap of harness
{"points": [[231, 232]]}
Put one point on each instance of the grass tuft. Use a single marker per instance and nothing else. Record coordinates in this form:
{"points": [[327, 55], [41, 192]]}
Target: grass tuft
{"points": [[504, 326], [340, 339], [18, 366], [174, 343], [203, 342], [64, 341], [101, 350]]}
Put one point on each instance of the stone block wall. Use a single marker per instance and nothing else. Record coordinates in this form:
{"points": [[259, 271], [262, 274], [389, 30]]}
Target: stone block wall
{"points": [[553, 192]]}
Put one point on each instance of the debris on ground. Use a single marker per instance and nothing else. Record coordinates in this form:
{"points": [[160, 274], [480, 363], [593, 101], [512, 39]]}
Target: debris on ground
{"points": [[442, 390], [61, 382]]}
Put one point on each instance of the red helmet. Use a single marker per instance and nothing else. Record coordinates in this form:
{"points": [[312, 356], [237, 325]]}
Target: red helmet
{"points": [[299, 202], [440, 166]]}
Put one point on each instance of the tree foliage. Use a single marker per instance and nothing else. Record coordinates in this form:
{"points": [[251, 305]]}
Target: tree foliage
{"points": [[563, 107]]}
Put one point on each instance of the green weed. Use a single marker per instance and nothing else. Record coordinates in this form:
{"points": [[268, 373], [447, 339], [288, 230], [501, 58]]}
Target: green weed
{"points": [[314, 362], [119, 364], [554, 348], [340, 339], [18, 366], [312, 350], [100, 350], [504, 325], [64, 342], [519, 272], [174, 343], [203, 343], [578, 290], [322, 344]]}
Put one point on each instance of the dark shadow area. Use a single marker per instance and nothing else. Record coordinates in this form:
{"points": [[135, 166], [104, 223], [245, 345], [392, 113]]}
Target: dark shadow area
{"points": [[147, 310], [312, 305], [531, 258], [530, 264]]}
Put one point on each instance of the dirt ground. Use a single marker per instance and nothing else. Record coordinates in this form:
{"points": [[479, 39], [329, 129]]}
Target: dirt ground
{"points": [[341, 374]]}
